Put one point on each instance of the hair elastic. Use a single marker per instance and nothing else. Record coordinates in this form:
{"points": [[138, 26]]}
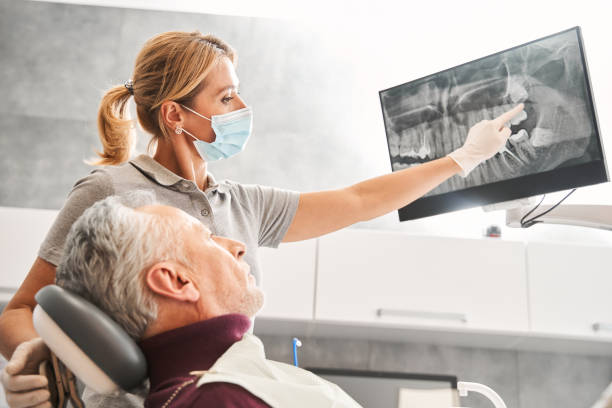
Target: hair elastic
{"points": [[129, 85]]}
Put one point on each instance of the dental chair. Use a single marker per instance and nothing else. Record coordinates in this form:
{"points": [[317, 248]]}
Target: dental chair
{"points": [[101, 354], [89, 343]]}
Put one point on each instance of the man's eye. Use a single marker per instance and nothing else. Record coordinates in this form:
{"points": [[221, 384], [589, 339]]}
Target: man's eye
{"points": [[227, 99]]}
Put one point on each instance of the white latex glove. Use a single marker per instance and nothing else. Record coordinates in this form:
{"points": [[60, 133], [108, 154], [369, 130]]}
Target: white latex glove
{"points": [[23, 385], [484, 140]]}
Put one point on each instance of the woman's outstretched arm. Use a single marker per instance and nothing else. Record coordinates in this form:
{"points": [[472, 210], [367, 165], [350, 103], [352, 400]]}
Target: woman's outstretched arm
{"points": [[322, 212]]}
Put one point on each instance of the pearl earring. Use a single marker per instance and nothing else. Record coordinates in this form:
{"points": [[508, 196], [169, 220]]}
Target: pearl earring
{"points": [[178, 130]]}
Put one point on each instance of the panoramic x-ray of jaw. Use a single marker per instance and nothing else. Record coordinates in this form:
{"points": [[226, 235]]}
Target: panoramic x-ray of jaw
{"points": [[428, 119]]}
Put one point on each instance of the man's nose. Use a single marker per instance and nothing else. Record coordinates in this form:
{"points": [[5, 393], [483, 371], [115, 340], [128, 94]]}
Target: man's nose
{"points": [[236, 248]]}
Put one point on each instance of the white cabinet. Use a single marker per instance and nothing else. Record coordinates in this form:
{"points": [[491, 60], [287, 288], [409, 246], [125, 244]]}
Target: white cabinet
{"points": [[288, 280], [397, 279], [389, 284], [23, 230], [570, 289]]}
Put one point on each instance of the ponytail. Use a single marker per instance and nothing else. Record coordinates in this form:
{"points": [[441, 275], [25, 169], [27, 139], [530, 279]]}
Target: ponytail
{"points": [[115, 128]]}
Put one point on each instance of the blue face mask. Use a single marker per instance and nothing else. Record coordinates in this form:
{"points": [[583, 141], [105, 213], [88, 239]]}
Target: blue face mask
{"points": [[232, 131]]}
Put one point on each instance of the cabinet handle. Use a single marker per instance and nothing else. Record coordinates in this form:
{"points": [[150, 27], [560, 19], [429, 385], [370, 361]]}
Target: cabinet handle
{"points": [[602, 326], [462, 317]]}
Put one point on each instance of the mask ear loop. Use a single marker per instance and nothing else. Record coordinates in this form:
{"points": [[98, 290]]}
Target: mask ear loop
{"points": [[192, 111], [180, 130]]}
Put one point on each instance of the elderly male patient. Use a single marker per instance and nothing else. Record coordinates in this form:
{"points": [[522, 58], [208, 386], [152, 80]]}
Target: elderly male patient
{"points": [[188, 297]]}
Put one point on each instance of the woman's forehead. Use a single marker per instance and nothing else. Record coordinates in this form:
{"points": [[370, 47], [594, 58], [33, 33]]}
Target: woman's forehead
{"points": [[222, 77]]}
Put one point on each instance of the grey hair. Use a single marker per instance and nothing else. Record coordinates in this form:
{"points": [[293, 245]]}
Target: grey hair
{"points": [[106, 252]]}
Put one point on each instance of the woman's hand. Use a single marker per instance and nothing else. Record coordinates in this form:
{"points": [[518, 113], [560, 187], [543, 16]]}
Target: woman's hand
{"points": [[23, 385], [484, 140]]}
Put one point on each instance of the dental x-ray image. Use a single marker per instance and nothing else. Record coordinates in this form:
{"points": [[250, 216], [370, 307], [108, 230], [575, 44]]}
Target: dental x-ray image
{"points": [[428, 118]]}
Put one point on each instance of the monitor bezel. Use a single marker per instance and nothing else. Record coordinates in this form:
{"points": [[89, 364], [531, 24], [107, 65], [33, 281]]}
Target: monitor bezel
{"points": [[558, 179]]}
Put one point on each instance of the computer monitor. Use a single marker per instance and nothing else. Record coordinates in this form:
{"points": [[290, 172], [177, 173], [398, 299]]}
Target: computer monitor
{"points": [[555, 144], [394, 390]]}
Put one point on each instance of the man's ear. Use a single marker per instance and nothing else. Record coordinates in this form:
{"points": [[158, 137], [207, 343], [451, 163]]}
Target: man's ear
{"points": [[170, 280]]}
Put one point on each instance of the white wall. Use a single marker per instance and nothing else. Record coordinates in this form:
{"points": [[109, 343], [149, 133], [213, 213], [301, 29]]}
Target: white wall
{"points": [[23, 230], [386, 43]]}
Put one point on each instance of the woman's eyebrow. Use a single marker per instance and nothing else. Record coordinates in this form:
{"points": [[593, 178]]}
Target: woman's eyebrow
{"points": [[225, 88]]}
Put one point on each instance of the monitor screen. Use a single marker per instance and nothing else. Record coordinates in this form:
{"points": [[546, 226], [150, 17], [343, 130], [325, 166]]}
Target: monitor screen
{"points": [[394, 390], [555, 143]]}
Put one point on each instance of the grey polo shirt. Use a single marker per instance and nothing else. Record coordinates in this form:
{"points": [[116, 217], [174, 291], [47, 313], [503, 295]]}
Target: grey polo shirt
{"points": [[254, 214]]}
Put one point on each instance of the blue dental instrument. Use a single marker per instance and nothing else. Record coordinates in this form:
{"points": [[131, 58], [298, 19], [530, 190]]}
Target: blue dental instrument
{"points": [[296, 343]]}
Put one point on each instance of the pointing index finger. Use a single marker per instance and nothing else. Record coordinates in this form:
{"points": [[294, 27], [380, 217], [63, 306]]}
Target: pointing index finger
{"points": [[507, 116]]}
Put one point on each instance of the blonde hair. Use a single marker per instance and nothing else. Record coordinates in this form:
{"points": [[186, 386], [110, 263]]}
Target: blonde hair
{"points": [[171, 66]]}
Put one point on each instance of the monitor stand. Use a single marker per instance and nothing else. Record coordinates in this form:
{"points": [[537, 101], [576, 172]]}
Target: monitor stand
{"points": [[593, 216]]}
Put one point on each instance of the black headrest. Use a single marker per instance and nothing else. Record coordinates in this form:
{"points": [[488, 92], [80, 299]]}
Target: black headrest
{"points": [[82, 325]]}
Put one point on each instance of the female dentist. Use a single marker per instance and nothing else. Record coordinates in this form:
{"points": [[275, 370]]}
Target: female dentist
{"points": [[186, 93]]}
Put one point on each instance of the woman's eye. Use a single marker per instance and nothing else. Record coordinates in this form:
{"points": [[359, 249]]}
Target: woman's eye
{"points": [[229, 98]]}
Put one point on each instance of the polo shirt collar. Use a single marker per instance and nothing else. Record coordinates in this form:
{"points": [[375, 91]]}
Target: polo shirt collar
{"points": [[193, 347], [165, 177]]}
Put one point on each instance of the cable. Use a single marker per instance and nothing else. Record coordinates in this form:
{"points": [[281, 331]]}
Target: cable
{"points": [[532, 210], [533, 220]]}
